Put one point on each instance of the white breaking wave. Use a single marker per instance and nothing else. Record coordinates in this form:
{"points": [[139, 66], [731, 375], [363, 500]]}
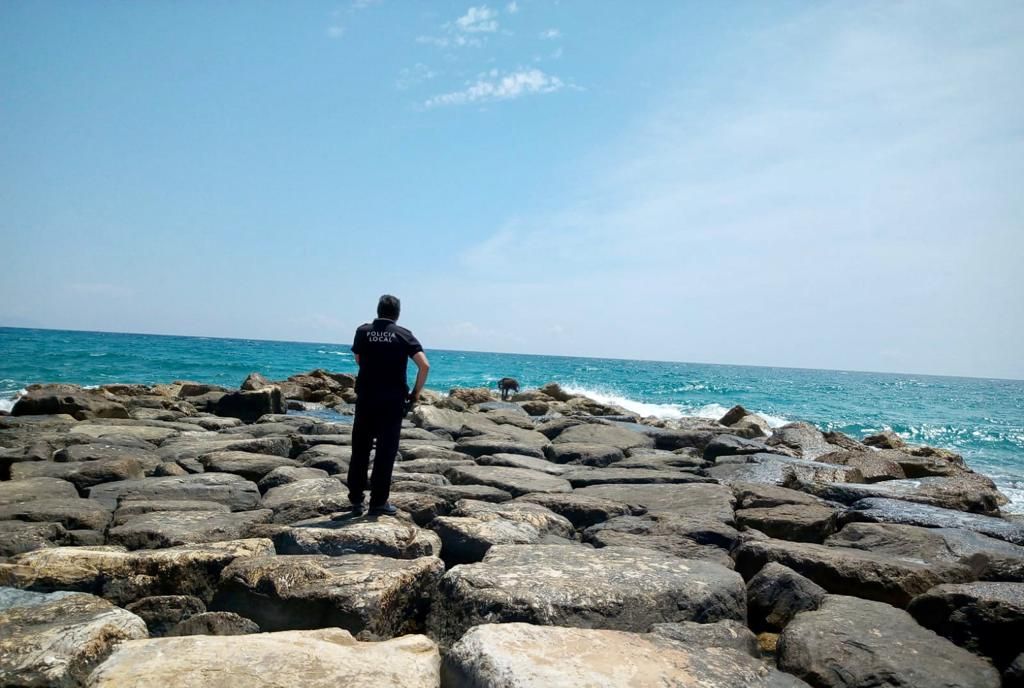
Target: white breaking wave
{"points": [[8, 404], [665, 411]]}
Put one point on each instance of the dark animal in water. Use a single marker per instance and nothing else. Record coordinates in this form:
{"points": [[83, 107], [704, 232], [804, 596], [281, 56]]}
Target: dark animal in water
{"points": [[507, 385]]}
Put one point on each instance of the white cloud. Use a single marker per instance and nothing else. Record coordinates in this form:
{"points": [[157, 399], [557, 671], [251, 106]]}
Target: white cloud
{"points": [[477, 20], [412, 76], [550, 34], [494, 86], [335, 31], [512, 7], [363, 4]]}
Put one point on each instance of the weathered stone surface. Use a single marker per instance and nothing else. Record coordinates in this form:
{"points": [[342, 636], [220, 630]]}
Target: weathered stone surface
{"points": [[452, 493], [761, 496], [527, 462], [328, 457], [581, 510], [159, 529], [849, 642], [1013, 676], [56, 639], [22, 536], [727, 634], [73, 514], [384, 536], [963, 492], [248, 406], [690, 537], [777, 594], [459, 424], [467, 540], [288, 474], [730, 445], [584, 454], [875, 510], [614, 587], [246, 464], [985, 618], [306, 498], [101, 451], [887, 439], [775, 469], [67, 399], [610, 435], [124, 577], [479, 446], [845, 571], [82, 474], [192, 447], [214, 623], [422, 508], [634, 476], [990, 559], [31, 489], [233, 491], [544, 520], [129, 509], [325, 658], [697, 499], [154, 432], [803, 438], [874, 466], [796, 522], [372, 597], [515, 481], [520, 655], [163, 612]]}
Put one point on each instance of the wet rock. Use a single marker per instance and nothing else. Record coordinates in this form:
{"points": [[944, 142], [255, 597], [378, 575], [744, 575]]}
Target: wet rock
{"points": [[795, 522], [163, 612], [985, 618], [852, 642], [989, 559], [284, 475], [56, 639], [246, 464], [520, 655], [160, 529], [687, 537], [727, 634], [515, 481], [599, 455], [384, 536], [324, 658], [214, 623], [776, 594], [875, 510], [581, 510], [569, 585], [31, 489], [696, 499], [372, 597], [124, 577], [233, 491], [73, 514], [844, 571]]}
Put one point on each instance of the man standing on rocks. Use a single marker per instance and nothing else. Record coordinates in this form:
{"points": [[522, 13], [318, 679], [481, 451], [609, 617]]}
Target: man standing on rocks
{"points": [[382, 350]]}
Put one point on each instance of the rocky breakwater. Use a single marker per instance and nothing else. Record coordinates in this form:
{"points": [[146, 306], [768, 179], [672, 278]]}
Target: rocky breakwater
{"points": [[187, 535]]}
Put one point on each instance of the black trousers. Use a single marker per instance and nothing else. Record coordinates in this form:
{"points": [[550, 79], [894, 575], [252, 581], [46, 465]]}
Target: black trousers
{"points": [[380, 422]]}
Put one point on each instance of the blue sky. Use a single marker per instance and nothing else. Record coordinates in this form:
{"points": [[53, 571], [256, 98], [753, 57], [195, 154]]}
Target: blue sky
{"points": [[831, 185]]}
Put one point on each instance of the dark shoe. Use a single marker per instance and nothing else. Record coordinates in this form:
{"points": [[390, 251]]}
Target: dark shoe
{"points": [[357, 509], [386, 509]]}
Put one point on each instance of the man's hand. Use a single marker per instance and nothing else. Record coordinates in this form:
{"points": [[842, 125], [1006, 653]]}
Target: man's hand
{"points": [[410, 402]]}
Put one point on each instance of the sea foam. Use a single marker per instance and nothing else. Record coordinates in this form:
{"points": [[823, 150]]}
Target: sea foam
{"points": [[664, 411]]}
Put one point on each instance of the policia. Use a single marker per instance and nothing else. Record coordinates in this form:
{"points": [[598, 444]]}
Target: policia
{"points": [[382, 350]]}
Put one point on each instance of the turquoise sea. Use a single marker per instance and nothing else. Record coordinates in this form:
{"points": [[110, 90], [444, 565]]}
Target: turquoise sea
{"points": [[983, 419]]}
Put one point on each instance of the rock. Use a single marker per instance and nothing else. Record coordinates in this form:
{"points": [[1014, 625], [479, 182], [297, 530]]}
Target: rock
{"points": [[803, 438], [730, 445], [727, 634], [168, 469], [989, 559], [248, 406], [160, 529], [583, 453], [521, 655], [636, 476], [152, 432], [282, 475], [467, 540], [510, 415], [214, 623], [776, 594], [874, 510], [555, 391], [56, 639], [307, 498], [985, 618], [101, 451], [324, 658], [459, 424], [372, 597], [19, 536], [695, 499], [124, 577], [129, 509], [761, 496], [470, 395], [734, 415], [233, 491], [452, 493], [384, 536], [610, 435], [687, 537], [614, 587], [581, 510], [544, 520], [246, 464], [73, 514], [874, 466], [31, 489], [964, 492], [527, 462], [163, 612], [851, 642], [844, 442], [795, 522], [479, 446], [83, 474], [422, 508], [535, 407], [845, 571], [775, 469], [79, 403], [886, 439], [327, 457], [254, 381], [515, 481]]}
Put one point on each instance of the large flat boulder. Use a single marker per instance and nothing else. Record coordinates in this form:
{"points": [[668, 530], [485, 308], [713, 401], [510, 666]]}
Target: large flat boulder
{"points": [[249, 465], [776, 469], [632, 476], [969, 492], [874, 510], [515, 481], [521, 461], [325, 658], [521, 655], [690, 537], [72, 400], [192, 446], [796, 522], [776, 594], [384, 536], [372, 597], [582, 453], [73, 514], [160, 529], [31, 489], [697, 499], [459, 424], [233, 491], [610, 435], [451, 493], [82, 474], [124, 577], [479, 446], [23, 536], [803, 438], [306, 498], [163, 612], [850, 643], [845, 571], [985, 618], [620, 588], [581, 510], [56, 639]]}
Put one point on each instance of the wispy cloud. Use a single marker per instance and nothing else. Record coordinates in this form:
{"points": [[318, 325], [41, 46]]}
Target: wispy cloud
{"points": [[493, 86], [550, 34], [469, 30], [512, 7], [412, 76], [478, 19], [335, 31], [363, 4]]}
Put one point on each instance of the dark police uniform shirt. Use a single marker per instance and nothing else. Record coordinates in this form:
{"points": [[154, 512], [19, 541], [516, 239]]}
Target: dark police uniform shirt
{"points": [[384, 351]]}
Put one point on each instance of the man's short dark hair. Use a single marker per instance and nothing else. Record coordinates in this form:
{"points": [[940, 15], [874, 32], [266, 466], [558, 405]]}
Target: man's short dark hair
{"points": [[389, 307]]}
